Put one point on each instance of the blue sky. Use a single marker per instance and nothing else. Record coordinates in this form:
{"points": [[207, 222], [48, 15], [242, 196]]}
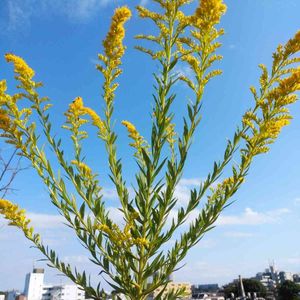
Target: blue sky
{"points": [[61, 39]]}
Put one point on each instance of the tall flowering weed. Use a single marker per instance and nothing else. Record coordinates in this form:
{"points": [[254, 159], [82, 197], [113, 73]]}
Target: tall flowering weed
{"points": [[132, 255]]}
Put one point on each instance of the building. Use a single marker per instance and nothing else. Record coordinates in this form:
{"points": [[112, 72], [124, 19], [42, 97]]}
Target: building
{"points": [[270, 278], [175, 286], [34, 284], [62, 292], [12, 295], [284, 276], [296, 278], [35, 289], [2, 297], [205, 288]]}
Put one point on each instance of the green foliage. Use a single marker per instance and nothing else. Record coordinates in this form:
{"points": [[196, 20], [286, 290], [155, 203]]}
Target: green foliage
{"points": [[138, 250], [250, 286], [289, 290]]}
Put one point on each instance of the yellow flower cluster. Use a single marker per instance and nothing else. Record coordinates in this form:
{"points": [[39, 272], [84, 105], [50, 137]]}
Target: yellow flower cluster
{"points": [[273, 127], [123, 238], [11, 116], [77, 110], [5, 123], [3, 86], [23, 72], [85, 169], [227, 185], [16, 216], [113, 45], [274, 111], [171, 134], [134, 134], [293, 45], [208, 13], [146, 13], [288, 85], [20, 65]]}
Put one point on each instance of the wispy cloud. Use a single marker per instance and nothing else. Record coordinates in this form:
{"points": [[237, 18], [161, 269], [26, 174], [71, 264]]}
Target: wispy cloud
{"points": [[20, 12], [293, 260], [46, 221], [251, 217], [144, 2], [297, 201], [238, 234], [77, 259], [183, 188]]}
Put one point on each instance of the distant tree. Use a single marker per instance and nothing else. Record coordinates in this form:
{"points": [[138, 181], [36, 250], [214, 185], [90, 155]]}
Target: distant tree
{"points": [[289, 290], [250, 286], [9, 168]]}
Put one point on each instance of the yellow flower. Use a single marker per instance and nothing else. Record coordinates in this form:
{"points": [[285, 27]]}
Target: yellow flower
{"points": [[21, 66], [95, 118], [3, 87], [142, 242], [272, 128], [130, 127], [208, 13], [104, 228], [113, 46], [290, 84], [4, 120], [76, 105], [293, 45], [85, 169], [16, 216], [77, 110]]}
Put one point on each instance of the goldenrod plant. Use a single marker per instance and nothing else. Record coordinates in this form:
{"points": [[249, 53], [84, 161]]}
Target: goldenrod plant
{"points": [[136, 257]]}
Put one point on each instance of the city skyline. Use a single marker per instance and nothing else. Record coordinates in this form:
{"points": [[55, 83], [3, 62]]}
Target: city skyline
{"points": [[262, 224]]}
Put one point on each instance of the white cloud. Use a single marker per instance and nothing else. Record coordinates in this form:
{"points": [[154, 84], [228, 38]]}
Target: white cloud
{"points": [[144, 2], [46, 221], [20, 12], [238, 234], [182, 191], [297, 201], [183, 70], [293, 260], [76, 259], [109, 193], [251, 217], [202, 271], [116, 215]]}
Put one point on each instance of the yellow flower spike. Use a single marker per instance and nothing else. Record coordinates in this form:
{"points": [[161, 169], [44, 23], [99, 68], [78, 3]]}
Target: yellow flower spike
{"points": [[113, 45], [290, 84], [142, 242], [77, 104], [293, 45], [130, 127], [16, 217], [3, 87], [209, 13], [85, 169], [95, 118], [77, 110], [20, 65], [5, 123], [104, 228]]}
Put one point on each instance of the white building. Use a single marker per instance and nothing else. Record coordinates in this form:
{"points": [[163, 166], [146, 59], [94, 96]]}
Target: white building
{"points": [[11, 295], [62, 292], [34, 284], [35, 289], [2, 297], [284, 276]]}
